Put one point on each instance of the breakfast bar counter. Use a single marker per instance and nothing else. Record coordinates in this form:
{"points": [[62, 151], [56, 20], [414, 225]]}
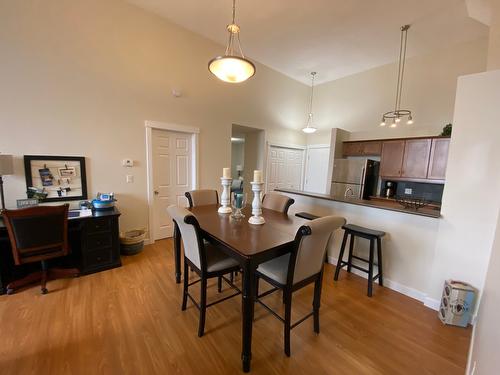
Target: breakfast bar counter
{"points": [[385, 204]]}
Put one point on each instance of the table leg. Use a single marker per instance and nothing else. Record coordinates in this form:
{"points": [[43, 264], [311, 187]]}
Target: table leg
{"points": [[248, 300], [177, 253]]}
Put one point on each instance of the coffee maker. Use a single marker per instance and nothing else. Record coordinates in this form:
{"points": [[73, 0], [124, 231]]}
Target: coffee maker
{"points": [[389, 189]]}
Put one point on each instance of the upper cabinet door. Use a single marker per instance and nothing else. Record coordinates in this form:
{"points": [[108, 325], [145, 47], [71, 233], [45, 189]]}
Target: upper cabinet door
{"points": [[438, 159], [392, 158], [372, 148], [351, 149], [416, 158]]}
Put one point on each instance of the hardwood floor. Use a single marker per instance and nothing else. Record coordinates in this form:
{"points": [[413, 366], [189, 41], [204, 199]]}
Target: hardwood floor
{"points": [[128, 321]]}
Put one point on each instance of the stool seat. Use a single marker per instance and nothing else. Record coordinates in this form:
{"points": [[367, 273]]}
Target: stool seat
{"points": [[306, 215], [363, 232]]}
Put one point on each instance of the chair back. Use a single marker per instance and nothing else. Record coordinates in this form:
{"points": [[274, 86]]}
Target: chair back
{"points": [[189, 228], [277, 202], [311, 249], [37, 233], [202, 197]]}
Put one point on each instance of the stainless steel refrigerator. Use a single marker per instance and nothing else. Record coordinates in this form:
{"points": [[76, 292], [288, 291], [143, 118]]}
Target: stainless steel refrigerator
{"points": [[354, 178]]}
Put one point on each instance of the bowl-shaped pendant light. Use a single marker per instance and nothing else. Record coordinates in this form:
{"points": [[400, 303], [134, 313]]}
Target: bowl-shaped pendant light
{"points": [[233, 67], [310, 128]]}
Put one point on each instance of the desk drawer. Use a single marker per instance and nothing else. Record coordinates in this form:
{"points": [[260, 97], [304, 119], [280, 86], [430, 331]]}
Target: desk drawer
{"points": [[98, 241], [98, 225], [98, 258]]}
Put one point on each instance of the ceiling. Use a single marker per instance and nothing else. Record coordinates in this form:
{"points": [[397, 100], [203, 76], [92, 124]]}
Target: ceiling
{"points": [[336, 38]]}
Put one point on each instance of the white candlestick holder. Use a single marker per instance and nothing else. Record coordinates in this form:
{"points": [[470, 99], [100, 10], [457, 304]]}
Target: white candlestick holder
{"points": [[256, 217], [225, 200]]}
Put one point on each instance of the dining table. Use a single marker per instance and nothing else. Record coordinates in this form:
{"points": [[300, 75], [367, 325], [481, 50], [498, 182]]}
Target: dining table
{"points": [[250, 245]]}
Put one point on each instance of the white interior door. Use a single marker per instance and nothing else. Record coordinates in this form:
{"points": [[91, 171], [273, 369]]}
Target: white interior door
{"points": [[316, 174], [284, 168], [171, 176]]}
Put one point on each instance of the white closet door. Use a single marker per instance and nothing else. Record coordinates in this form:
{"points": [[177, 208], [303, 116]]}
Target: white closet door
{"points": [[284, 168], [171, 176]]}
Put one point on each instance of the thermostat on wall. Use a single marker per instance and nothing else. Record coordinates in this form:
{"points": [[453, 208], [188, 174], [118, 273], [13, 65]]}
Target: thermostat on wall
{"points": [[127, 162]]}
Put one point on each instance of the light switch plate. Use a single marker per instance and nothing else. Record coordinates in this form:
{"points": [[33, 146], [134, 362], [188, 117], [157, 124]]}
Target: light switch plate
{"points": [[130, 178], [408, 191]]}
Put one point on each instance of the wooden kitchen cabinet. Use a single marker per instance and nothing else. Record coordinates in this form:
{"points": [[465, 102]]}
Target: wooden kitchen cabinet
{"points": [[438, 159], [416, 158], [368, 148], [391, 159]]}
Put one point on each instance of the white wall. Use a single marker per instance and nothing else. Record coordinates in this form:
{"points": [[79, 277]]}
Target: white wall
{"points": [[356, 103], [484, 359], [471, 195], [80, 77]]}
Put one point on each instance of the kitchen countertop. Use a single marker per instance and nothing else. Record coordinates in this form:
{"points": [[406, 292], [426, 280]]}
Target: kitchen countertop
{"points": [[379, 203]]}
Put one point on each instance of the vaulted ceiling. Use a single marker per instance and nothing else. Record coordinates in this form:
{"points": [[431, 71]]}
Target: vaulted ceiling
{"points": [[336, 38]]}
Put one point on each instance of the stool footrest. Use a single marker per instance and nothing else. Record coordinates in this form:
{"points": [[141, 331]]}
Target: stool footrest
{"points": [[344, 263]]}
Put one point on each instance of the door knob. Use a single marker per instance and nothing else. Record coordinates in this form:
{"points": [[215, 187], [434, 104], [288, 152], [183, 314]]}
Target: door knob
{"points": [[156, 192]]}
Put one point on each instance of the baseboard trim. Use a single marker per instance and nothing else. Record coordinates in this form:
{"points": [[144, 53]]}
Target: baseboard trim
{"points": [[400, 288]]}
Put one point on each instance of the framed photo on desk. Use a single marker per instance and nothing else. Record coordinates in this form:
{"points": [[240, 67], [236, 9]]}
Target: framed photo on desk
{"points": [[62, 178]]}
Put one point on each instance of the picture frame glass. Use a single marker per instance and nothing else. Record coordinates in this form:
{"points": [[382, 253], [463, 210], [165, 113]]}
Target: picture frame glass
{"points": [[58, 178]]}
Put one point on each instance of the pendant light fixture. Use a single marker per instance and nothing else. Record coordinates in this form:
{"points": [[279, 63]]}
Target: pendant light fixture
{"points": [[233, 67], [310, 123], [398, 114]]}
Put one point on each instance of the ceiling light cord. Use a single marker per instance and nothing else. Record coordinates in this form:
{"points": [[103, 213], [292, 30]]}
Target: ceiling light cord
{"points": [[234, 10], [401, 67], [312, 93]]}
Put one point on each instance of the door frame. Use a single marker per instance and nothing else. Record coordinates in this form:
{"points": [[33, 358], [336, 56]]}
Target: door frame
{"points": [[284, 145], [306, 163], [150, 125]]}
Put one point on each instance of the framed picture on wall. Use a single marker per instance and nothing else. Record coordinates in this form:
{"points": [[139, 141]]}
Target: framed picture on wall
{"points": [[59, 178]]}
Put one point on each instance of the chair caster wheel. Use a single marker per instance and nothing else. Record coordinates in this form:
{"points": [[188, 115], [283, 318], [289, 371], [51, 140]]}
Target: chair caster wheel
{"points": [[10, 291], [45, 290]]}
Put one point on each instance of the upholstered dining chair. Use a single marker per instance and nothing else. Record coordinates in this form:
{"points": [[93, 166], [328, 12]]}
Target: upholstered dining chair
{"points": [[277, 202], [301, 267], [202, 197], [38, 234], [204, 259]]}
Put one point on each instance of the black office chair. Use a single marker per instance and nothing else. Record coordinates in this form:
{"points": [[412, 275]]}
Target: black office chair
{"points": [[38, 234]]}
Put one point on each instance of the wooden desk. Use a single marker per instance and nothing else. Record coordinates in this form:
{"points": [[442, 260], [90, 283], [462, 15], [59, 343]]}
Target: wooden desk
{"points": [[94, 242], [250, 245]]}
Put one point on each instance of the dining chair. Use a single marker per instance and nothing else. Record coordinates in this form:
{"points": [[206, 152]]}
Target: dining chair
{"points": [[277, 202], [38, 234], [205, 259], [202, 197], [295, 270]]}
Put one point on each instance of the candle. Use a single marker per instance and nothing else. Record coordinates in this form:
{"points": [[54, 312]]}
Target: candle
{"points": [[226, 172], [257, 176]]}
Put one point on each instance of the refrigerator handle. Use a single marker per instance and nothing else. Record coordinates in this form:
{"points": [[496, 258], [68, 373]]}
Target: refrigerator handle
{"points": [[362, 182]]}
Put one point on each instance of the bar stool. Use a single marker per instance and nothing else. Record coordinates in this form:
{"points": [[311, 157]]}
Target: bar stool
{"points": [[369, 234]]}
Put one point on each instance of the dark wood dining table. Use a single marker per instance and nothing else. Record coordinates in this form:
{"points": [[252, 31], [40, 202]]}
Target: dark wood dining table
{"points": [[250, 245]]}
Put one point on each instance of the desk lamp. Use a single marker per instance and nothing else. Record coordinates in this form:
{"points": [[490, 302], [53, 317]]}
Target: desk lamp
{"points": [[6, 168]]}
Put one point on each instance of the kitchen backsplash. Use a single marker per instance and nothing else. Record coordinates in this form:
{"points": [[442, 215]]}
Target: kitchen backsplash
{"points": [[430, 192]]}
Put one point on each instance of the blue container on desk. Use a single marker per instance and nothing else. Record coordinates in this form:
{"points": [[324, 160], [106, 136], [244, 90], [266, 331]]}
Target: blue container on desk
{"points": [[104, 202]]}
